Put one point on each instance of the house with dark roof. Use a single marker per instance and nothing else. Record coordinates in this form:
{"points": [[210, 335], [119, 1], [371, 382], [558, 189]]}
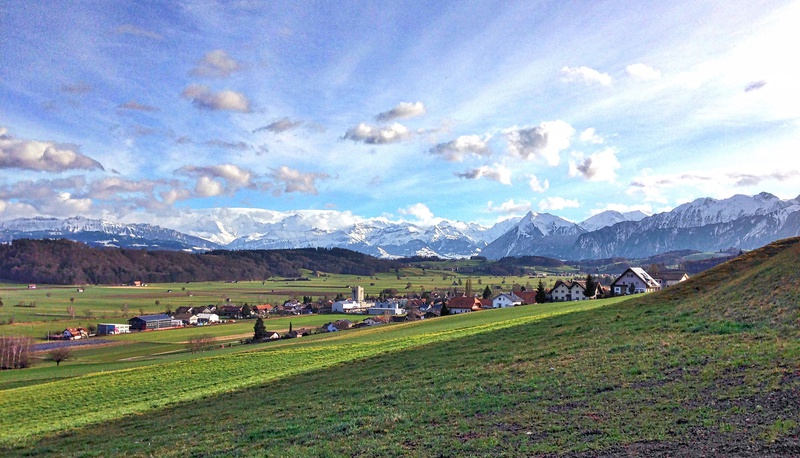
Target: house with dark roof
{"points": [[561, 291], [506, 300], [671, 277], [633, 281]]}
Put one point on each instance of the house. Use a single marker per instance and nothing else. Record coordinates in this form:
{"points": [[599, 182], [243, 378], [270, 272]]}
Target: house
{"points": [[137, 283], [578, 291], [183, 310], [375, 320], [343, 324], [150, 322], [108, 329], [207, 318], [671, 277], [502, 301], [561, 291], [328, 327], [390, 307], [464, 304], [414, 315], [347, 306], [273, 335], [74, 334], [31, 286], [633, 281], [528, 297], [232, 311], [261, 309]]}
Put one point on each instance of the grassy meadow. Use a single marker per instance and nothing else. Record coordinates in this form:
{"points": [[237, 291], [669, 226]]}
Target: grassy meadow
{"points": [[710, 367]]}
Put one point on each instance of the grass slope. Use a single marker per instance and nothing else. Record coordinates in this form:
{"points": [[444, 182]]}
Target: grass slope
{"points": [[709, 367]]}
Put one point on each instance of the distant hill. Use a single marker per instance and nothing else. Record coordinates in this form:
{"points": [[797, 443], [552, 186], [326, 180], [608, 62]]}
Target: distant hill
{"points": [[65, 262]]}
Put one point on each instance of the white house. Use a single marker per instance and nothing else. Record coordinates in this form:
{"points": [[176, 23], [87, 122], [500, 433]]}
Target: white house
{"points": [[562, 291], [348, 306], [506, 300], [670, 278], [203, 318], [633, 281], [390, 307], [577, 291]]}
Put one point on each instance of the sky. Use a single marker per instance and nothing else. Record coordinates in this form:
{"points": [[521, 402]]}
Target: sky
{"points": [[405, 110]]}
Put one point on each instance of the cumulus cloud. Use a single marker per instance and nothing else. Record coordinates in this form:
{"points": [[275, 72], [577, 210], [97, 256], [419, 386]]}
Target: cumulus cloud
{"points": [[128, 29], [208, 187], [455, 150], [590, 136], [171, 196], [642, 72], [557, 203], [419, 211], [290, 180], [203, 98], [536, 185], [281, 125], [497, 173], [600, 166], [134, 105], [80, 88], [42, 156], [404, 110], [216, 64], [545, 141], [233, 174], [509, 207], [585, 75], [48, 197], [754, 85], [374, 135]]}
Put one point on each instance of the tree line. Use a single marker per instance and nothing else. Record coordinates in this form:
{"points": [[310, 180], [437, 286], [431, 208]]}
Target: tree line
{"points": [[64, 262]]}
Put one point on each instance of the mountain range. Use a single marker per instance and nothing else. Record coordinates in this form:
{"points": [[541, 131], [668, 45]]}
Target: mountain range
{"points": [[706, 224]]}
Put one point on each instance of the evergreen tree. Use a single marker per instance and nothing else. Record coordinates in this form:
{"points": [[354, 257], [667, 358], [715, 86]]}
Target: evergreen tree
{"points": [[245, 310], [541, 293], [259, 330], [468, 287], [445, 311], [591, 286], [487, 292]]}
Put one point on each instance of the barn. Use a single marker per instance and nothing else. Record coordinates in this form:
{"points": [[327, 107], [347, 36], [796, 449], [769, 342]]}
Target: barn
{"points": [[150, 322]]}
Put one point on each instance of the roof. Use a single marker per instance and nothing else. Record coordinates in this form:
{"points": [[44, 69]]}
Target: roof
{"points": [[464, 302], [644, 276], [528, 297], [158, 317], [672, 276]]}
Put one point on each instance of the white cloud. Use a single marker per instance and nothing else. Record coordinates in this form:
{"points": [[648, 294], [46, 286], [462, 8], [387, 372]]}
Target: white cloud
{"points": [[642, 72], [600, 166], [171, 196], [590, 136], [420, 211], [202, 97], [585, 75], [536, 185], [290, 180], [216, 64], [111, 187], [557, 203], [378, 135], [404, 110], [128, 29], [41, 156], [509, 207], [497, 173], [208, 187], [545, 141], [455, 150]]}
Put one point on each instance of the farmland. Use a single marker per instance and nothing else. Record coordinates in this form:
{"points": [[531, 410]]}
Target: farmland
{"points": [[708, 367]]}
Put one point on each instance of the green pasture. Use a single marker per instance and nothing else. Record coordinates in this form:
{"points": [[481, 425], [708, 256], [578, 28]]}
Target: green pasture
{"points": [[138, 390], [102, 303]]}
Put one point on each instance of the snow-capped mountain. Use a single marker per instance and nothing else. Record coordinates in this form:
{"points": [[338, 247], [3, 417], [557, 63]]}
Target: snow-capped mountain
{"points": [[537, 233], [102, 233], [610, 218], [705, 224]]}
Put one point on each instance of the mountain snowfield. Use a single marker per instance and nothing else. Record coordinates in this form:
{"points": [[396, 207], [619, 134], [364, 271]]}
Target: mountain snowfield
{"points": [[705, 224]]}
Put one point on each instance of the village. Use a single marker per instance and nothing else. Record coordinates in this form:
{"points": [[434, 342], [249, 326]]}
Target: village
{"points": [[384, 310]]}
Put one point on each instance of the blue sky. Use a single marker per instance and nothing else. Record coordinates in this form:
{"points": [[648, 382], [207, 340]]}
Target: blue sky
{"points": [[470, 111]]}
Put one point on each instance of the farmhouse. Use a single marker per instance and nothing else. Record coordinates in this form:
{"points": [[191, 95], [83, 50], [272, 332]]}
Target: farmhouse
{"points": [[633, 281], [150, 322], [506, 300], [671, 277], [561, 291], [74, 334], [390, 307], [528, 297], [207, 318], [464, 304], [108, 329]]}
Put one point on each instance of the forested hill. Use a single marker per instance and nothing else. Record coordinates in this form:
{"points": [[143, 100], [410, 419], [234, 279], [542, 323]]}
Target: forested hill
{"points": [[70, 263]]}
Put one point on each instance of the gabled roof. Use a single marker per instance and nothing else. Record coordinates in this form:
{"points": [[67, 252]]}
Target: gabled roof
{"points": [[672, 276], [511, 296], [464, 302], [644, 276], [528, 297]]}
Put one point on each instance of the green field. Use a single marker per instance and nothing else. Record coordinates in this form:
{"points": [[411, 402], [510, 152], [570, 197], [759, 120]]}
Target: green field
{"points": [[710, 367]]}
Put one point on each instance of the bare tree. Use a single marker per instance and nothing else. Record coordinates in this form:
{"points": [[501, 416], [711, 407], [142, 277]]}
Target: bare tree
{"points": [[14, 352], [89, 314], [71, 312], [125, 310], [201, 342], [59, 354]]}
